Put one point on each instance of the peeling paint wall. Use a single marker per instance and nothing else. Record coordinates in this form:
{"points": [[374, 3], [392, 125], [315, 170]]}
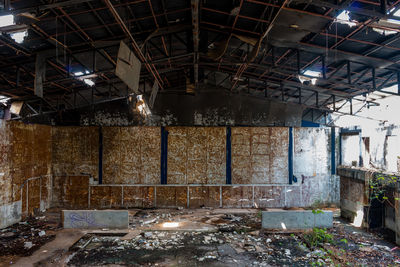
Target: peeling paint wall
{"points": [[312, 166], [379, 148]]}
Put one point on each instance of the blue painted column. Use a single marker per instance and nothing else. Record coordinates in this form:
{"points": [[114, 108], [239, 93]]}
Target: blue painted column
{"points": [[164, 155], [290, 155], [228, 156], [100, 155], [333, 150]]}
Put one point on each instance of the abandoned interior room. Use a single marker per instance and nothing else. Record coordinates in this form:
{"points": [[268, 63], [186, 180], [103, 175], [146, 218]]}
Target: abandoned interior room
{"points": [[199, 133]]}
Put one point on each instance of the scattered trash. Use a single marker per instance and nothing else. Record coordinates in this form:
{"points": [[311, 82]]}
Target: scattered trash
{"points": [[28, 245]]}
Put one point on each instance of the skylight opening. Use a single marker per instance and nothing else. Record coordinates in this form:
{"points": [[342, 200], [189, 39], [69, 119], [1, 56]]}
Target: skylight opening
{"points": [[89, 82], [344, 18], [78, 73], [392, 89], [4, 99], [6, 20], [19, 37], [383, 32], [394, 21], [313, 73]]}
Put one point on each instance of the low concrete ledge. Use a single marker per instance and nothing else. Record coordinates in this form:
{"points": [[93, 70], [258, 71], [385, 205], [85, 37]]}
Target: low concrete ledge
{"points": [[95, 219], [296, 219]]}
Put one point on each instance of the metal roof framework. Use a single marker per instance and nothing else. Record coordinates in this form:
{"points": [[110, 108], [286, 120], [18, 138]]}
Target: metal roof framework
{"points": [[250, 47]]}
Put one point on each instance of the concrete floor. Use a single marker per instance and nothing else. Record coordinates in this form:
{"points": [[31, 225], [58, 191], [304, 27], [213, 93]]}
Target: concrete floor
{"points": [[208, 237]]}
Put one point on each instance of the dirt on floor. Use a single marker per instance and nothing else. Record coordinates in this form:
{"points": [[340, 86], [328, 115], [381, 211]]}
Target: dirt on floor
{"points": [[217, 237]]}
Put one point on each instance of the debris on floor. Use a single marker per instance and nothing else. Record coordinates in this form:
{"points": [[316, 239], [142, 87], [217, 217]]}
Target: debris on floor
{"points": [[231, 240], [24, 238]]}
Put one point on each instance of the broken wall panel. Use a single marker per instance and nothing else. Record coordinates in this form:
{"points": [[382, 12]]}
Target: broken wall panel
{"points": [[196, 155], [75, 151], [131, 155], [260, 155]]}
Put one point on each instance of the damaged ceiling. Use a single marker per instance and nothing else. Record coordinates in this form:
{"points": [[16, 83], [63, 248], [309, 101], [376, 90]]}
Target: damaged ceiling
{"points": [[317, 54]]}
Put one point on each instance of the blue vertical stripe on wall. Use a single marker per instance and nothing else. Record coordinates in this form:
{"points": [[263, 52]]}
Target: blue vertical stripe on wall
{"points": [[228, 156], [290, 153], [164, 155], [100, 155], [333, 150]]}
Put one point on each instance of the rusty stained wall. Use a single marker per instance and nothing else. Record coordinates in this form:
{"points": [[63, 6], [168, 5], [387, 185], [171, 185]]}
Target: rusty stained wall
{"points": [[70, 191], [260, 155], [131, 155], [30, 157], [5, 178], [75, 151], [196, 155]]}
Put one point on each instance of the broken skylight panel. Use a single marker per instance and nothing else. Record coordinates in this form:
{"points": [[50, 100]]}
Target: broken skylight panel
{"points": [[19, 36], [344, 18]]}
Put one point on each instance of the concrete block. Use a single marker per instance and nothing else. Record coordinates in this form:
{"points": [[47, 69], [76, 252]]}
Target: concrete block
{"points": [[96, 219], [296, 219], [10, 214]]}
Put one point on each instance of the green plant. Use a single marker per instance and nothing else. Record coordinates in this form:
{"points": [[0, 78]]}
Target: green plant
{"points": [[317, 211], [318, 237], [378, 190]]}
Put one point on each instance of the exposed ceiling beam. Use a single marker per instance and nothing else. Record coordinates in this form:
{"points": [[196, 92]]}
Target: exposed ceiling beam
{"points": [[43, 7], [195, 4]]}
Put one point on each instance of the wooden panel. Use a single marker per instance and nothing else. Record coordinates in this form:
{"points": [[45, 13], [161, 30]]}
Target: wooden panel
{"points": [[204, 196], [237, 196], [196, 155], [30, 156], [105, 197], [138, 196], [171, 196], [260, 155], [70, 191], [131, 155], [75, 151]]}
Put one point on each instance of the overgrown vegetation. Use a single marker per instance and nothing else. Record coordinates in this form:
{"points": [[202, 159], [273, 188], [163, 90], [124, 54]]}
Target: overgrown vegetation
{"points": [[318, 237], [379, 189]]}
